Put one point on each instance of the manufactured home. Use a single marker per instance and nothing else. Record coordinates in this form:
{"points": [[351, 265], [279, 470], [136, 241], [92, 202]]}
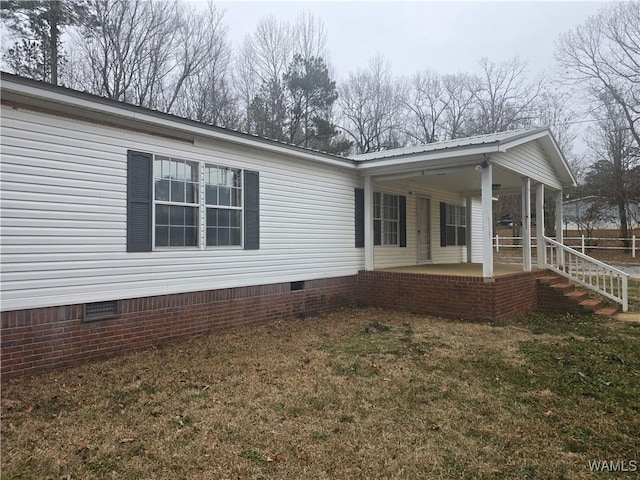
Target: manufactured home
{"points": [[591, 213], [123, 228]]}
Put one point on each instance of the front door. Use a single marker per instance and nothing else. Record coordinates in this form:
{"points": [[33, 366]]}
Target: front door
{"points": [[424, 229]]}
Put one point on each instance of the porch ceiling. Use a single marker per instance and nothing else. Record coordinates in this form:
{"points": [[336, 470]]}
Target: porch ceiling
{"points": [[464, 181]]}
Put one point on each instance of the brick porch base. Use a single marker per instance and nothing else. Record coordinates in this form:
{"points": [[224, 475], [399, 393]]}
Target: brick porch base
{"points": [[448, 296]]}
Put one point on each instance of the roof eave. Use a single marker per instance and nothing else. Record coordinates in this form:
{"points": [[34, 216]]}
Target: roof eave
{"points": [[60, 96], [466, 155]]}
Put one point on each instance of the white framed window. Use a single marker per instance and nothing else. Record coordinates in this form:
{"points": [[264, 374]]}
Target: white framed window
{"points": [[386, 219], [178, 185], [177, 202], [456, 225], [223, 203]]}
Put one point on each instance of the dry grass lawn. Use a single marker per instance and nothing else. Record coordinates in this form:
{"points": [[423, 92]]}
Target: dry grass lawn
{"points": [[361, 393]]}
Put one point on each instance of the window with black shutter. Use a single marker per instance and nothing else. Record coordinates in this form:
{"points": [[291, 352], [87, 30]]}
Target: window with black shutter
{"points": [[139, 201], [251, 210], [170, 201], [359, 217]]}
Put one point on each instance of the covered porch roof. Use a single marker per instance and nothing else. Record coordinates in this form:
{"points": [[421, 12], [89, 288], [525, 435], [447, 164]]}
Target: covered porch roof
{"points": [[457, 163], [502, 163]]}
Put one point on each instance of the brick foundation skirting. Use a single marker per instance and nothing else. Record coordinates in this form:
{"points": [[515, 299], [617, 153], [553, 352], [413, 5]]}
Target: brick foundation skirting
{"points": [[42, 339]]}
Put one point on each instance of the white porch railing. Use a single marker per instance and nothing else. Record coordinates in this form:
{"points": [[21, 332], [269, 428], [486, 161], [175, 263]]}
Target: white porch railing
{"points": [[588, 272]]}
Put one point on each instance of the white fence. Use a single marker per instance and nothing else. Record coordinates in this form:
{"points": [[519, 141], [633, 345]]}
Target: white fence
{"points": [[581, 243]]}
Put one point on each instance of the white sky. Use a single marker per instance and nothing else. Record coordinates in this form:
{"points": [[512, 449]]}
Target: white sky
{"points": [[445, 36]]}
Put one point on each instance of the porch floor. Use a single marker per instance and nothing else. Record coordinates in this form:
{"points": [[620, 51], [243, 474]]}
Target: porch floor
{"points": [[456, 269]]}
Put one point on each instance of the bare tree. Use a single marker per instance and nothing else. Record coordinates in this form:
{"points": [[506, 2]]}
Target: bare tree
{"points": [[615, 158], [460, 91], [603, 54], [272, 44], [426, 104], [370, 104], [265, 57], [499, 98], [125, 48], [554, 109], [310, 37], [143, 52], [504, 100], [198, 39], [208, 95], [262, 61], [245, 80]]}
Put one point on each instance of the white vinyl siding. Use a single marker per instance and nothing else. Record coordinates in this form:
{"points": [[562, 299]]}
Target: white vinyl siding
{"points": [[64, 217], [528, 160], [394, 256]]}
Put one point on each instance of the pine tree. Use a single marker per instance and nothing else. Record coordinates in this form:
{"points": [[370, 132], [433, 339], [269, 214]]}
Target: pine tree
{"points": [[38, 25]]}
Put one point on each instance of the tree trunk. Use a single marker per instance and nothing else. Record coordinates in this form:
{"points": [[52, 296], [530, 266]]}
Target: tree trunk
{"points": [[624, 222], [54, 11]]}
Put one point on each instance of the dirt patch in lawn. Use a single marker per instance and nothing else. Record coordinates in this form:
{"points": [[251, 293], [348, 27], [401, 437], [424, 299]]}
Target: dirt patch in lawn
{"points": [[361, 393]]}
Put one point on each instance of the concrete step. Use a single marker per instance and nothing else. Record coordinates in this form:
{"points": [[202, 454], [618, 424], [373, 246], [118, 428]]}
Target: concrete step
{"points": [[607, 311]]}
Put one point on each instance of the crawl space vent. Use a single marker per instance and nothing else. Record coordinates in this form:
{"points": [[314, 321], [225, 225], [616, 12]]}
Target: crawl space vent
{"points": [[100, 310]]}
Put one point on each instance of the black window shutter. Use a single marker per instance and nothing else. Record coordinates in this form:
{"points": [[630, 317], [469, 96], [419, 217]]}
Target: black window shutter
{"points": [[359, 214], [251, 210], [139, 201], [443, 224], [402, 203]]}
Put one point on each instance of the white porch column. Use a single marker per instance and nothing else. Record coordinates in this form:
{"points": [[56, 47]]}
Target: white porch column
{"points": [[559, 235], [487, 221], [526, 224], [368, 223], [540, 224]]}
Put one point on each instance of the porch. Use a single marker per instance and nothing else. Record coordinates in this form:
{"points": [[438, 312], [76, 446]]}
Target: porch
{"points": [[435, 201], [426, 214]]}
